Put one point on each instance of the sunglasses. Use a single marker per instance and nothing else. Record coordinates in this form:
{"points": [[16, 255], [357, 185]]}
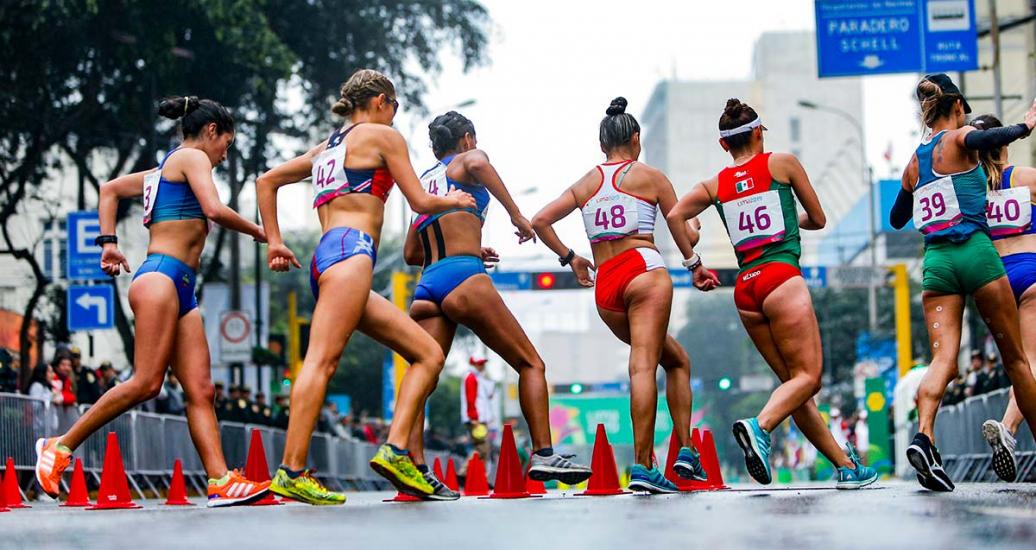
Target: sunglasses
{"points": [[395, 104]]}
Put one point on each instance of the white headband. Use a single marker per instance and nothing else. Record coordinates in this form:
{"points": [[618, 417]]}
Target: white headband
{"points": [[747, 127]]}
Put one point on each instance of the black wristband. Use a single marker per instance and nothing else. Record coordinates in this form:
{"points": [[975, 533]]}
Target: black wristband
{"points": [[102, 240], [568, 258]]}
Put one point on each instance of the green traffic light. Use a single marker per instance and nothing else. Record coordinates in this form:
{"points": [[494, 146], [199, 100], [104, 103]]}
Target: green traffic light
{"points": [[576, 388], [725, 383]]}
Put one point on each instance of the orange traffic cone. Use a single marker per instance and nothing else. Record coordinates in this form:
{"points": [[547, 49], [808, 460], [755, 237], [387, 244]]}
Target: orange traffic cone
{"points": [[670, 474], [256, 469], [114, 492], [12, 495], [476, 484], [710, 461], [605, 478], [437, 469], [509, 483], [451, 476], [532, 486], [177, 488], [78, 495]]}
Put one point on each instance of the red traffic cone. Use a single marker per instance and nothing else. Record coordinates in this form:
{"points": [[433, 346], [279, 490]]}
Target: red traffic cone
{"points": [[694, 484], [114, 492], [532, 486], [12, 496], [177, 488], [605, 478], [451, 476], [509, 483], [256, 468], [710, 461], [476, 484], [402, 497], [437, 469], [670, 474], [78, 495], [3, 503]]}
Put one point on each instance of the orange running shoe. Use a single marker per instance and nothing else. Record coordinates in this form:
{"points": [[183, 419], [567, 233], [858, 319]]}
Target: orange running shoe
{"points": [[51, 462], [236, 490]]}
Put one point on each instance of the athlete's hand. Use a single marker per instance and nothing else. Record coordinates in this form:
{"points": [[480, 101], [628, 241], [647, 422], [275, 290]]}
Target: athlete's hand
{"points": [[704, 279], [113, 261], [582, 267], [280, 258], [1030, 117], [489, 257], [461, 199], [525, 232]]}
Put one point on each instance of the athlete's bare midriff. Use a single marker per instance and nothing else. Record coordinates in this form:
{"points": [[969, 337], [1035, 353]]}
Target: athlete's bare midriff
{"points": [[1015, 245], [461, 233], [606, 250], [357, 211], [181, 239]]}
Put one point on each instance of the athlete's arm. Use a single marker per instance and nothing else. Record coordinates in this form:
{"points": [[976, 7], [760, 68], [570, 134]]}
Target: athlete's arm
{"points": [[903, 209], [1024, 175], [396, 156], [124, 187], [995, 138], [413, 254], [788, 168], [197, 168], [543, 224], [666, 201], [477, 164], [278, 256], [689, 207]]}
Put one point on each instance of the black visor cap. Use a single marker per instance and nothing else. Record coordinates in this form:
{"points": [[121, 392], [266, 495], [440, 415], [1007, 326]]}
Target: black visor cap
{"points": [[948, 87]]}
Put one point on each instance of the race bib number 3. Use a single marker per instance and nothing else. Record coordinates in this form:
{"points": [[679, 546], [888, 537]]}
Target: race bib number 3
{"points": [[1009, 211], [150, 192], [755, 221], [936, 206]]}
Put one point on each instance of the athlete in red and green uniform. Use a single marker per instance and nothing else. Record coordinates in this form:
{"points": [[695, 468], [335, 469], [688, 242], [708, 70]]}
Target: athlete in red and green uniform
{"points": [[756, 200]]}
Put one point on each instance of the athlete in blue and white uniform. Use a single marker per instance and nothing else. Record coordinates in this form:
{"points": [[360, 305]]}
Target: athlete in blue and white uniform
{"points": [[455, 289]]}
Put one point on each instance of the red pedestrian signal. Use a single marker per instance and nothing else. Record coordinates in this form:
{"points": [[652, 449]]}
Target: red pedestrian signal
{"points": [[545, 281]]}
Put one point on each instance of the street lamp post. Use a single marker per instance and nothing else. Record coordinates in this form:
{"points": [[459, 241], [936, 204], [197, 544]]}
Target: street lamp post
{"points": [[868, 182]]}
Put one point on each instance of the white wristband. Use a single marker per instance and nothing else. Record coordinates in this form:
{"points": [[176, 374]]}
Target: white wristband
{"points": [[693, 262]]}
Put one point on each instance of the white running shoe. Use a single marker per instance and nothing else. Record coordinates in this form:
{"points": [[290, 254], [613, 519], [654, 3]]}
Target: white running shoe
{"points": [[1003, 444]]}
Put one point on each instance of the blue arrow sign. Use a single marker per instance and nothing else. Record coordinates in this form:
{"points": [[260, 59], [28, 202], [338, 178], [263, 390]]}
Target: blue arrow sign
{"points": [[84, 258], [90, 307]]}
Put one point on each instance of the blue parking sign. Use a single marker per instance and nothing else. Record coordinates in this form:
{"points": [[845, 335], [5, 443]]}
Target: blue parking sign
{"points": [[90, 307], [83, 257]]}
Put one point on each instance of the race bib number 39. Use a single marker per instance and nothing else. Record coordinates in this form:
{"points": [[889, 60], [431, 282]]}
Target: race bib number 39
{"points": [[755, 221], [936, 206], [150, 192], [1009, 211]]}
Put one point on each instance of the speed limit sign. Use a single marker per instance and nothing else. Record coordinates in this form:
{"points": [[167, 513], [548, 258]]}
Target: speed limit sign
{"points": [[235, 337]]}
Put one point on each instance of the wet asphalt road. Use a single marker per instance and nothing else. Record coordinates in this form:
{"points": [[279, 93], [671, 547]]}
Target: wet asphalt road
{"points": [[888, 515]]}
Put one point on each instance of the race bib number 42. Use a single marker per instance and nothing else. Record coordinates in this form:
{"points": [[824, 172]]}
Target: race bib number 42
{"points": [[755, 221], [1009, 211], [329, 170]]}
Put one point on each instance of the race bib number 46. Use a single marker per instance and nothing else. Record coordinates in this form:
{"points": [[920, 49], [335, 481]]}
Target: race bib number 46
{"points": [[1009, 211], [936, 206], [755, 221]]}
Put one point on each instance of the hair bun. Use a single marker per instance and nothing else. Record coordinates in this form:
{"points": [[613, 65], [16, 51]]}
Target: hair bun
{"points": [[617, 107], [343, 107], [439, 133], [734, 107]]}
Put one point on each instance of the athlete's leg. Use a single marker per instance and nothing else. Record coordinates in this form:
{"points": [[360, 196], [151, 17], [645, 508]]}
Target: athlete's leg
{"points": [[193, 369], [995, 302], [430, 317], [807, 417], [155, 307], [942, 315], [476, 304], [344, 288], [1027, 315]]}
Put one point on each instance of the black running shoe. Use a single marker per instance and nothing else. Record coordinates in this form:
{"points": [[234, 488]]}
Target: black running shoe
{"points": [[924, 457]]}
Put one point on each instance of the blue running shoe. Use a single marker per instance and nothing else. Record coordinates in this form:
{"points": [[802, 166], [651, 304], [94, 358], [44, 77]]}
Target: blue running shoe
{"points": [[688, 465], [854, 478], [755, 443], [651, 481]]}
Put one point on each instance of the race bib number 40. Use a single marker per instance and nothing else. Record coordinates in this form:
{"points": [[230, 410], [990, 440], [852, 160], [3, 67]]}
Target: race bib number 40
{"points": [[936, 206], [755, 221], [150, 192], [1009, 211]]}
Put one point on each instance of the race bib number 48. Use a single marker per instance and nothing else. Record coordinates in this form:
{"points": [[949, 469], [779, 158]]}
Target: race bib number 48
{"points": [[755, 221], [1009, 211], [936, 206]]}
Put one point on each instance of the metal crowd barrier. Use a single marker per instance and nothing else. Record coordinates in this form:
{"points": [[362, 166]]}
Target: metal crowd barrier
{"points": [[150, 443]]}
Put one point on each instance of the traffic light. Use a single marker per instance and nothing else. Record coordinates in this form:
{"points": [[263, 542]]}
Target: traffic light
{"points": [[724, 383], [575, 389], [554, 280]]}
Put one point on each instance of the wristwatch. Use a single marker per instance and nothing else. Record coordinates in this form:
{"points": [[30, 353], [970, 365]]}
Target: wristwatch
{"points": [[102, 240], [568, 258], [693, 262]]}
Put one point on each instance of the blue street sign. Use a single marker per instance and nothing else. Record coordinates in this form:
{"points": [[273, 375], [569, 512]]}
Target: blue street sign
{"points": [[816, 276], [90, 307], [512, 280], [84, 258], [856, 37]]}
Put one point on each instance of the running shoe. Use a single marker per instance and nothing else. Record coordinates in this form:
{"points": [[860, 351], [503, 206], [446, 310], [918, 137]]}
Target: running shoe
{"points": [[236, 490], [1003, 444], [401, 472], [304, 488], [559, 468], [651, 481], [51, 461], [859, 475], [442, 492], [755, 442], [924, 457], [688, 465]]}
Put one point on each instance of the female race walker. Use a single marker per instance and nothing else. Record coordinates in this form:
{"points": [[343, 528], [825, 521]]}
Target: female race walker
{"points": [[619, 200], [352, 173], [755, 198], [1010, 203], [944, 187], [179, 199], [455, 289]]}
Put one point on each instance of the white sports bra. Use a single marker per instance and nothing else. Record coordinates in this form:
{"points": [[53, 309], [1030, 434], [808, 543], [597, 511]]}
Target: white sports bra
{"points": [[611, 213]]}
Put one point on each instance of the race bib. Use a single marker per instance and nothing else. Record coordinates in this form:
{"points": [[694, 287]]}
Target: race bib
{"points": [[150, 193], [1009, 211], [936, 206], [609, 217], [329, 171], [754, 221], [434, 181]]}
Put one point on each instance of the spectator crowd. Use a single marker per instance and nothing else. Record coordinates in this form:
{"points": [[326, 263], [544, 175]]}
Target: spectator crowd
{"points": [[983, 375]]}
